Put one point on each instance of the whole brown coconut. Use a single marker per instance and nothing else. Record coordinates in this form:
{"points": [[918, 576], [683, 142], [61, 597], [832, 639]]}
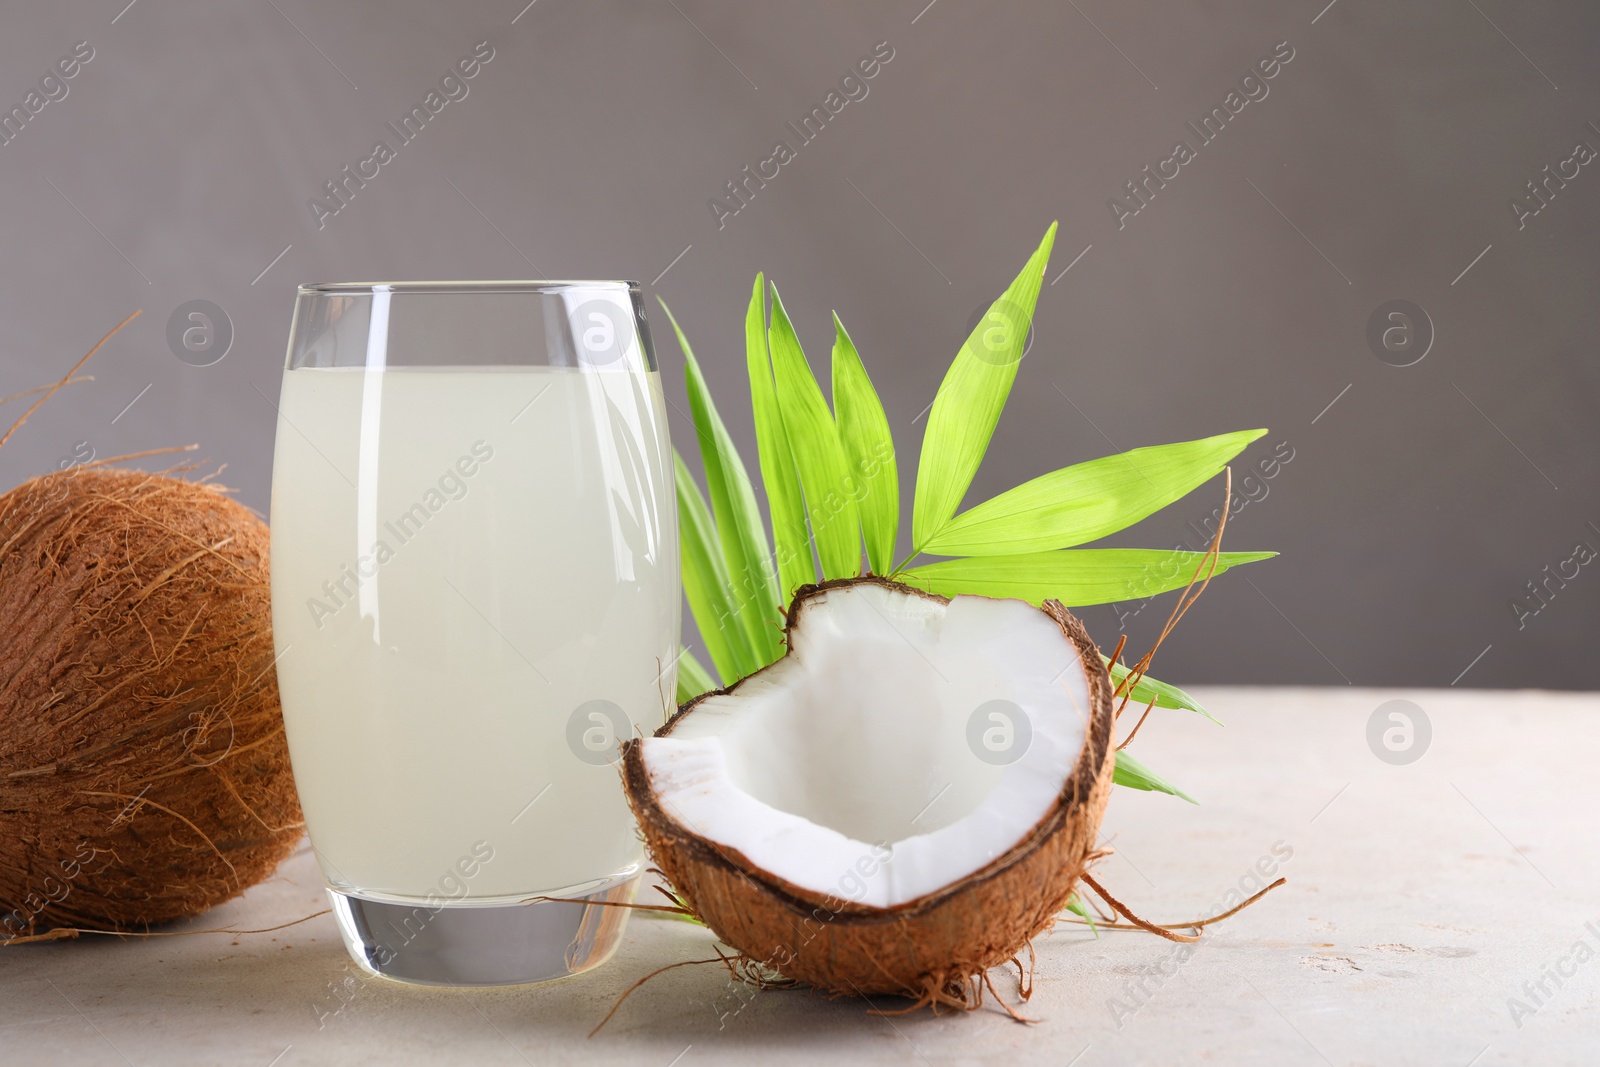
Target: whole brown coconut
{"points": [[144, 775], [935, 948]]}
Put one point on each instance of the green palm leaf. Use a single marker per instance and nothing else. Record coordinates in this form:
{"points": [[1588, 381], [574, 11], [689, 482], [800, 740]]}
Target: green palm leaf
{"points": [[1078, 577], [968, 403], [733, 509], [693, 678], [1135, 775], [868, 448], [705, 581], [818, 456], [778, 477], [1075, 905], [1087, 501], [1149, 691]]}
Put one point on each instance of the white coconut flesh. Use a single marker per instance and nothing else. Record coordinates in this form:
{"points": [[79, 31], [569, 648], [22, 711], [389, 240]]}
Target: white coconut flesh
{"points": [[900, 745]]}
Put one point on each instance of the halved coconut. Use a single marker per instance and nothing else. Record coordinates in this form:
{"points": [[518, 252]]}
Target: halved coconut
{"points": [[901, 802]]}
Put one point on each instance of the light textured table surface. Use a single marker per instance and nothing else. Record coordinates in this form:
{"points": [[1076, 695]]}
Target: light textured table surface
{"points": [[1421, 899]]}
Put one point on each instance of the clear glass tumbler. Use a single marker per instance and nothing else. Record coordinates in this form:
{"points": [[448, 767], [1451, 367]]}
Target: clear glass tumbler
{"points": [[474, 601]]}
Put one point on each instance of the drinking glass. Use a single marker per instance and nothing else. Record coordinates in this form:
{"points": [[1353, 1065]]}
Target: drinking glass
{"points": [[474, 602]]}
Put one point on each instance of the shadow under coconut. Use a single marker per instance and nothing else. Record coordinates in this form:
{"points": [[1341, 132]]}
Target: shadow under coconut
{"points": [[703, 1002]]}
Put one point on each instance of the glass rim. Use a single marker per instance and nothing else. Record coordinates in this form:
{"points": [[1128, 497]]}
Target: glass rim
{"points": [[442, 287]]}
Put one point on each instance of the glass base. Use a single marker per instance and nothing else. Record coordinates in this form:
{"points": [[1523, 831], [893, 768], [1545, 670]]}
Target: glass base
{"points": [[465, 944]]}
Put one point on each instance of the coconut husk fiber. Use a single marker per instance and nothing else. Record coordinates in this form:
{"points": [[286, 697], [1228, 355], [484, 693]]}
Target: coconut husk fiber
{"points": [[144, 774]]}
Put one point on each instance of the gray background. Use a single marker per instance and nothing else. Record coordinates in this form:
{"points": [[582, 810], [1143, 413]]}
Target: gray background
{"points": [[1380, 165]]}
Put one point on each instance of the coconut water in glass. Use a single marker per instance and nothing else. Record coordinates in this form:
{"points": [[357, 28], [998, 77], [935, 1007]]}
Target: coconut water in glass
{"points": [[475, 600]]}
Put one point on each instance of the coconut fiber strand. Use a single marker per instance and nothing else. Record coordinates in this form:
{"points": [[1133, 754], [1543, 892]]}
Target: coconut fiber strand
{"points": [[144, 774]]}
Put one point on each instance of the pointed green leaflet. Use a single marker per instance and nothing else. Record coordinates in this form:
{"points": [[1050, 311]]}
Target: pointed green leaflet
{"points": [[818, 456], [1078, 577], [868, 448], [1075, 905], [1087, 501], [705, 581], [968, 403], [1148, 690], [778, 475], [733, 509], [1135, 775]]}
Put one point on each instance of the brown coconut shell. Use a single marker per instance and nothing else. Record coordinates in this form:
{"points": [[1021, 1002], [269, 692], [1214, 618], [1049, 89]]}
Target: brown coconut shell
{"points": [[144, 774], [927, 948]]}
